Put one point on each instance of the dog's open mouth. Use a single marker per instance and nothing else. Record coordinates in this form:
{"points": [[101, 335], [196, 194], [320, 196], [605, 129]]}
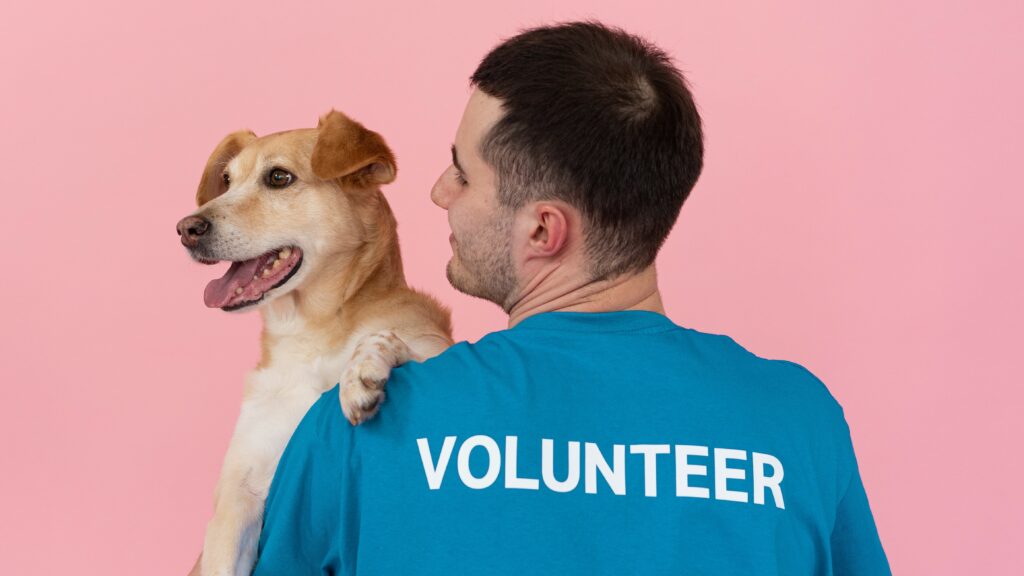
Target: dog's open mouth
{"points": [[247, 281]]}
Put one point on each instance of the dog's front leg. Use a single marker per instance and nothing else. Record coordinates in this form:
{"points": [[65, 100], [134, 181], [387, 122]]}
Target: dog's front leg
{"points": [[232, 535], [362, 384], [229, 534]]}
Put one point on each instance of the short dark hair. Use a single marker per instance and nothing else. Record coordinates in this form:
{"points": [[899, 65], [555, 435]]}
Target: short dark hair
{"points": [[601, 119]]}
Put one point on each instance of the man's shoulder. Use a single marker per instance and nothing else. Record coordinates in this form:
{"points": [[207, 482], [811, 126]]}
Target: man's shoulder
{"points": [[458, 360], [776, 376], [716, 355]]}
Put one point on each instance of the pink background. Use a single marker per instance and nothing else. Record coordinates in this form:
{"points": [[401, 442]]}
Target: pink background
{"points": [[859, 213]]}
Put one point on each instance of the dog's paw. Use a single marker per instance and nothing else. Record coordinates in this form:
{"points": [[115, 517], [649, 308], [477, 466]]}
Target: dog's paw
{"points": [[362, 389], [362, 384]]}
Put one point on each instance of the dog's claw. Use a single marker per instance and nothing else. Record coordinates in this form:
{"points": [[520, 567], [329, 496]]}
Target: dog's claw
{"points": [[361, 413]]}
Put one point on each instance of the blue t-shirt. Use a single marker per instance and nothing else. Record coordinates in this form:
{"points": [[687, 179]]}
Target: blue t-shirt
{"points": [[578, 443]]}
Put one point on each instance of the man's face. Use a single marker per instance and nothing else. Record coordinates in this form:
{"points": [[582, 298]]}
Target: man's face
{"points": [[481, 263]]}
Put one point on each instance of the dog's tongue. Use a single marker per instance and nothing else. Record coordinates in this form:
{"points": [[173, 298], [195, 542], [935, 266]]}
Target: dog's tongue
{"points": [[220, 291]]}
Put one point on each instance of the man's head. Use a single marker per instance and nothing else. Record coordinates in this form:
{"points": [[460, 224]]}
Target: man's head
{"points": [[578, 141]]}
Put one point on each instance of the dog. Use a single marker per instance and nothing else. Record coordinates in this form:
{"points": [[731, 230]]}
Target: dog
{"points": [[313, 246]]}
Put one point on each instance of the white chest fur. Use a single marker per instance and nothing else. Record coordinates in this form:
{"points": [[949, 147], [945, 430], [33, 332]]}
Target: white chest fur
{"points": [[276, 399]]}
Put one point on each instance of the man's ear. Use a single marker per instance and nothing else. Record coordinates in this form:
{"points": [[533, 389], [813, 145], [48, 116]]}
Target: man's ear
{"points": [[550, 231], [347, 150], [212, 185]]}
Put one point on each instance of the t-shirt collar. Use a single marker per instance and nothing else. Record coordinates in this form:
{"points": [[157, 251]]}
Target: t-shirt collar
{"points": [[617, 321]]}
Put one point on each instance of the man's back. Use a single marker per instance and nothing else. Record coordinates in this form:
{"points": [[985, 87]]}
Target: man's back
{"points": [[592, 443]]}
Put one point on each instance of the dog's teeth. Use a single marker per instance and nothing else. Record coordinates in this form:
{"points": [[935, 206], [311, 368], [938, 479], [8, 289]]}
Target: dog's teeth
{"points": [[276, 264], [266, 272], [238, 290], [284, 254], [255, 276]]}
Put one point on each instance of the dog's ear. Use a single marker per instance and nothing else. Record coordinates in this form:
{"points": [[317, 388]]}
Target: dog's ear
{"points": [[347, 150], [212, 183]]}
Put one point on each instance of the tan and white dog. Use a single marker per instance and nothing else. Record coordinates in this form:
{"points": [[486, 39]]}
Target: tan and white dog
{"points": [[312, 244]]}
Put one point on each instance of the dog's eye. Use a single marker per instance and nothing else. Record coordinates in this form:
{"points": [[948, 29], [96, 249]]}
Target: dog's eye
{"points": [[227, 179], [278, 178]]}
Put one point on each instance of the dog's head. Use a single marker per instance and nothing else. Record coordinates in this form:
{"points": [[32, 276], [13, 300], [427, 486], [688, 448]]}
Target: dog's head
{"points": [[280, 206]]}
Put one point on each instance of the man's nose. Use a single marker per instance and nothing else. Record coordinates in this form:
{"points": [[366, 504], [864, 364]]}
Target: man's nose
{"points": [[438, 194], [190, 228]]}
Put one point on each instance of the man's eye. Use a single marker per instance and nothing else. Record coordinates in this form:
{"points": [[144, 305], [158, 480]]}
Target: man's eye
{"points": [[278, 178], [458, 178]]}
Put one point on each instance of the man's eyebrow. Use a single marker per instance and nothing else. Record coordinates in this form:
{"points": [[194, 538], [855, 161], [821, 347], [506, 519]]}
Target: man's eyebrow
{"points": [[455, 160]]}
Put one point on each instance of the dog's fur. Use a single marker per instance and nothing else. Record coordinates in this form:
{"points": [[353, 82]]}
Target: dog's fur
{"points": [[343, 314]]}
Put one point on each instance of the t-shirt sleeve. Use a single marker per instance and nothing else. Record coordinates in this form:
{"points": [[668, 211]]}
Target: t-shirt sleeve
{"points": [[856, 547]]}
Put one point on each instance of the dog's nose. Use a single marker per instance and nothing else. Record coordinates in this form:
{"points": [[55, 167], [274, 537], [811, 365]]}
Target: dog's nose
{"points": [[191, 228]]}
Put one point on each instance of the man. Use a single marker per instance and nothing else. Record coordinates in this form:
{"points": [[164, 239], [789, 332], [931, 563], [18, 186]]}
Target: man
{"points": [[594, 435]]}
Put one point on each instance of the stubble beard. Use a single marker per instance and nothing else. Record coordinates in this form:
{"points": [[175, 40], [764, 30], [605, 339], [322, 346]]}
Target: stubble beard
{"points": [[486, 270]]}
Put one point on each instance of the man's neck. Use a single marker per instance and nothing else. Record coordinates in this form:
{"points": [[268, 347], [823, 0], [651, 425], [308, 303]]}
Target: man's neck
{"points": [[553, 292]]}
